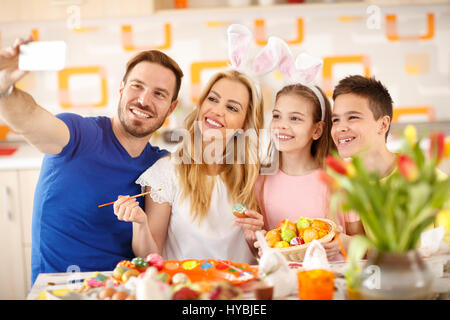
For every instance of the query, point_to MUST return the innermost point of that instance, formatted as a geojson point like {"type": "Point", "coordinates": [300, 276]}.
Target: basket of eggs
{"type": "Point", "coordinates": [292, 239]}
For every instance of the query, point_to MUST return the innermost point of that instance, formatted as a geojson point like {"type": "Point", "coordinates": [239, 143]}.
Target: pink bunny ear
{"type": "Point", "coordinates": [308, 67]}
{"type": "Point", "coordinates": [267, 59]}
{"type": "Point", "coordinates": [286, 64]}
{"type": "Point", "coordinates": [239, 40]}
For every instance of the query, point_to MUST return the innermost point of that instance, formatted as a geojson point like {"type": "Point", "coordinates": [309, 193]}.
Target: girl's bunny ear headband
{"type": "Point", "coordinates": [240, 39]}
{"type": "Point", "coordinates": [276, 54]}
{"type": "Point", "coordinates": [303, 70]}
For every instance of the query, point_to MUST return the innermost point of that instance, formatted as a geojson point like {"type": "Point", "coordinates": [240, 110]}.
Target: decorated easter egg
{"type": "Point", "coordinates": [180, 278]}
{"type": "Point", "coordinates": [119, 295]}
{"type": "Point", "coordinates": [303, 223]}
{"type": "Point", "coordinates": [286, 224]}
{"type": "Point", "coordinates": [281, 244]}
{"type": "Point", "coordinates": [296, 241]}
{"type": "Point", "coordinates": [320, 224]}
{"type": "Point", "coordinates": [118, 272]}
{"type": "Point", "coordinates": [140, 262]}
{"type": "Point", "coordinates": [163, 276]}
{"type": "Point", "coordinates": [272, 237]}
{"type": "Point", "coordinates": [310, 234]}
{"type": "Point", "coordinates": [287, 235]}
{"type": "Point", "coordinates": [239, 210]}
{"type": "Point", "coordinates": [106, 293]}
{"type": "Point", "coordinates": [155, 260]}
{"type": "Point", "coordinates": [128, 274]}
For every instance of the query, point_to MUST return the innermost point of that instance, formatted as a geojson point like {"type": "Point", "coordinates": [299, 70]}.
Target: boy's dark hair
{"type": "Point", "coordinates": [160, 58]}
{"type": "Point", "coordinates": [380, 101]}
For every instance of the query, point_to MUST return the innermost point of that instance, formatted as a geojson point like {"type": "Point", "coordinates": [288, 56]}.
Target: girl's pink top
{"type": "Point", "coordinates": [291, 197]}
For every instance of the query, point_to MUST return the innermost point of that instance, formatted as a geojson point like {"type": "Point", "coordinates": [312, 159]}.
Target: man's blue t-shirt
{"type": "Point", "coordinates": [68, 228]}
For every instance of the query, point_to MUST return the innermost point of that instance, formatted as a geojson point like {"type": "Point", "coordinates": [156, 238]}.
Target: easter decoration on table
{"type": "Point", "coordinates": [274, 269]}
{"type": "Point", "coordinates": [152, 278]}
{"type": "Point", "coordinates": [209, 270]}
{"type": "Point", "coordinates": [292, 239]}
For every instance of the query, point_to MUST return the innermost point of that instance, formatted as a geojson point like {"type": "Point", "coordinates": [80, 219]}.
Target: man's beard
{"type": "Point", "coordinates": [135, 129]}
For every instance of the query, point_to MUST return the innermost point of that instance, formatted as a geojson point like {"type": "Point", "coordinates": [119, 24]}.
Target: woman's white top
{"type": "Point", "coordinates": [215, 237]}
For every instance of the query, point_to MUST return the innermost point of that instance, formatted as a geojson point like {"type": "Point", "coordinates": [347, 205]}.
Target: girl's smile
{"type": "Point", "coordinates": [292, 123]}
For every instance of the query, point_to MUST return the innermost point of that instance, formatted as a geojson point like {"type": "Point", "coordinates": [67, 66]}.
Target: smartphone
{"type": "Point", "coordinates": [43, 56]}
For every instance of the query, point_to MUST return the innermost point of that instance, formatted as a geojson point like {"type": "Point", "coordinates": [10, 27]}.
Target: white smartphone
{"type": "Point", "coordinates": [43, 56]}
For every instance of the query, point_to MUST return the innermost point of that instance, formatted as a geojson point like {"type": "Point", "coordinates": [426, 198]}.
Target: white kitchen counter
{"type": "Point", "coordinates": [26, 157]}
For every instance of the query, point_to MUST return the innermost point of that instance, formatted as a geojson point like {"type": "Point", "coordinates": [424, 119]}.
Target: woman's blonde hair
{"type": "Point", "coordinates": [239, 177]}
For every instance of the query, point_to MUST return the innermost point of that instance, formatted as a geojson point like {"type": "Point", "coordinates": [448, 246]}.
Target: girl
{"type": "Point", "coordinates": [189, 211]}
{"type": "Point", "coordinates": [300, 135]}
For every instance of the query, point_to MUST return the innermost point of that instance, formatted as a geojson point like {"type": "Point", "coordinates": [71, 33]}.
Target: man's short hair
{"type": "Point", "coordinates": [160, 58]}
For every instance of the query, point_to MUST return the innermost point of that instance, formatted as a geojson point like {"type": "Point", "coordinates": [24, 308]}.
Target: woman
{"type": "Point", "coordinates": [189, 211]}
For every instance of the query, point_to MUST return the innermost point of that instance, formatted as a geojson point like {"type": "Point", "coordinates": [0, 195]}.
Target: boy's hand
{"type": "Point", "coordinates": [128, 209]}
{"type": "Point", "coordinates": [252, 222]}
{"type": "Point", "coordinates": [333, 249]}
{"type": "Point", "coordinates": [9, 66]}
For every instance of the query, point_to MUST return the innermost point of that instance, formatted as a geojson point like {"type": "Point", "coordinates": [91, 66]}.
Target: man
{"type": "Point", "coordinates": [89, 161]}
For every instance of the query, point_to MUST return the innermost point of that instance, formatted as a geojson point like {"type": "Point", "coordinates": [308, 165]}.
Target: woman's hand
{"type": "Point", "coordinates": [252, 222]}
{"type": "Point", "coordinates": [128, 209]}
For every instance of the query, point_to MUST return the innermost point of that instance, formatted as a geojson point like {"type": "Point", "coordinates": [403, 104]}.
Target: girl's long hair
{"type": "Point", "coordinates": [239, 176]}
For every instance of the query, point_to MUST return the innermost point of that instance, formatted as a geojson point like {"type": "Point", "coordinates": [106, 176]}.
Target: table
{"type": "Point", "coordinates": [55, 281]}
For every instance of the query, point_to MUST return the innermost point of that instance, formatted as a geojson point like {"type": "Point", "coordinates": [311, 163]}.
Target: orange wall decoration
{"type": "Point", "coordinates": [392, 34]}
{"type": "Point", "coordinates": [128, 42]}
{"type": "Point", "coordinates": [427, 111]}
{"type": "Point", "coordinates": [330, 62]}
{"type": "Point", "coordinates": [196, 70]}
{"type": "Point", "coordinates": [261, 35]}
{"type": "Point", "coordinates": [346, 19]}
{"type": "Point", "coordinates": [63, 84]}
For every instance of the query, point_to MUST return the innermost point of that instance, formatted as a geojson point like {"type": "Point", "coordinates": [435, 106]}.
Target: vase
{"type": "Point", "coordinates": [395, 276]}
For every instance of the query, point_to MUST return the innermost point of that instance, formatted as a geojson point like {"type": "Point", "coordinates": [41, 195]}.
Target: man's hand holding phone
{"type": "Point", "coordinates": [28, 55]}
{"type": "Point", "coordinates": [9, 66]}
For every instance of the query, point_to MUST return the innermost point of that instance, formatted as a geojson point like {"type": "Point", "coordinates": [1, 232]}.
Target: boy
{"type": "Point", "coordinates": [361, 120]}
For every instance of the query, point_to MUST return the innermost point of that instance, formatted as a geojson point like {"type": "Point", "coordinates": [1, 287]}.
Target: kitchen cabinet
{"type": "Point", "coordinates": [16, 202]}
{"type": "Point", "coordinates": [27, 183]}
{"type": "Point", "coordinates": [51, 10]}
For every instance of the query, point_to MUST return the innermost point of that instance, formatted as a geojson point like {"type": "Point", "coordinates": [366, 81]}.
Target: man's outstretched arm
{"type": "Point", "coordinates": [21, 113]}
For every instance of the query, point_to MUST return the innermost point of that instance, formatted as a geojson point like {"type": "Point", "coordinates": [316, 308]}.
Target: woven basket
{"type": "Point", "coordinates": [297, 253]}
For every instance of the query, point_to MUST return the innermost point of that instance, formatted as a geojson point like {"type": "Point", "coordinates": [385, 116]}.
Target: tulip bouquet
{"type": "Point", "coordinates": [394, 210]}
